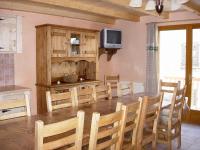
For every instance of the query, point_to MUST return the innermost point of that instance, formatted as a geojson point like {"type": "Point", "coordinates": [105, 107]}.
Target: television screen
{"type": "Point", "coordinates": [113, 37]}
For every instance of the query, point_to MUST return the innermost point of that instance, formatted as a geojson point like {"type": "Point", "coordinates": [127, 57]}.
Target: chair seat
{"type": "Point", "coordinates": [165, 112]}
{"type": "Point", "coordinates": [163, 122]}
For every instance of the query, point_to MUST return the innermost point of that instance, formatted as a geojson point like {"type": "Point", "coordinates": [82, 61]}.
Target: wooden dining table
{"type": "Point", "coordinates": [18, 133]}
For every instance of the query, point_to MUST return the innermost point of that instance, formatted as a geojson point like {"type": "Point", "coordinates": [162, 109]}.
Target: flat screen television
{"type": "Point", "coordinates": [111, 39]}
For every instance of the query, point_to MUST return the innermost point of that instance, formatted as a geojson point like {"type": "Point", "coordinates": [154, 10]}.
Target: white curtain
{"type": "Point", "coordinates": [151, 87]}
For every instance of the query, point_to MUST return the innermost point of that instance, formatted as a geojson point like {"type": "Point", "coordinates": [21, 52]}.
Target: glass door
{"type": "Point", "coordinates": [195, 76]}
{"type": "Point", "coordinates": [195, 99]}
{"type": "Point", "coordinates": [172, 55]}
{"type": "Point", "coordinates": [75, 41]}
{"type": "Point", "coordinates": [180, 61]}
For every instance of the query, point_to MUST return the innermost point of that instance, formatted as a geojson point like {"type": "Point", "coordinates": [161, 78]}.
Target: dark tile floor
{"type": "Point", "coordinates": [190, 138]}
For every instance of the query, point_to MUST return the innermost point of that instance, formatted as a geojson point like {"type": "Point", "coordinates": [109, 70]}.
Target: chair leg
{"type": "Point", "coordinates": [179, 141]}
{"type": "Point", "coordinates": [139, 146]}
{"type": "Point", "coordinates": [154, 145]}
{"type": "Point", "coordinates": [179, 138]}
{"type": "Point", "coordinates": [169, 145]}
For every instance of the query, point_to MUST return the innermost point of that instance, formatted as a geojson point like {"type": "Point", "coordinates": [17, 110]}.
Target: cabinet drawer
{"type": "Point", "coordinates": [13, 96]}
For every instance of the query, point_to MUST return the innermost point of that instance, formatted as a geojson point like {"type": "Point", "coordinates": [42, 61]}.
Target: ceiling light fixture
{"type": "Point", "coordinates": [175, 4]}
{"type": "Point", "coordinates": [150, 5]}
{"type": "Point", "coordinates": [159, 6]}
{"type": "Point", "coordinates": [183, 1]}
{"type": "Point", "coordinates": [135, 3]}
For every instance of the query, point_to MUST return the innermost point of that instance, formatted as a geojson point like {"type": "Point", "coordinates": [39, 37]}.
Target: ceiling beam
{"type": "Point", "coordinates": [193, 7]}
{"type": "Point", "coordinates": [125, 3]}
{"type": "Point", "coordinates": [90, 8]}
{"type": "Point", "coordinates": [42, 9]}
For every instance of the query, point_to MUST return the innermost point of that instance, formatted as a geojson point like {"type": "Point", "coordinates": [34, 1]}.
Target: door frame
{"type": "Point", "coordinates": [192, 116]}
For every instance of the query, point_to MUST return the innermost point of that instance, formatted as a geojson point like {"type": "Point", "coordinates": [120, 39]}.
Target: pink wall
{"type": "Point", "coordinates": [129, 62]}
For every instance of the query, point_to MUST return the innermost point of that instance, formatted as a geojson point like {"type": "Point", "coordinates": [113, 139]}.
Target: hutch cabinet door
{"type": "Point", "coordinates": [75, 43]}
{"type": "Point", "coordinates": [10, 34]}
{"type": "Point", "coordinates": [89, 46]}
{"type": "Point", "coordinates": [59, 42]}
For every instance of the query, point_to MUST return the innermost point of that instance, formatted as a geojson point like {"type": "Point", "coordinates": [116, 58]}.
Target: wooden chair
{"type": "Point", "coordinates": [150, 111]}
{"type": "Point", "coordinates": [169, 86]}
{"type": "Point", "coordinates": [106, 131]}
{"type": "Point", "coordinates": [71, 140]}
{"type": "Point", "coordinates": [22, 105]}
{"type": "Point", "coordinates": [168, 89]}
{"type": "Point", "coordinates": [169, 126]}
{"type": "Point", "coordinates": [84, 95]}
{"type": "Point", "coordinates": [103, 92]}
{"type": "Point", "coordinates": [112, 79]}
{"type": "Point", "coordinates": [124, 88]}
{"type": "Point", "coordinates": [60, 100]}
{"type": "Point", "coordinates": [131, 124]}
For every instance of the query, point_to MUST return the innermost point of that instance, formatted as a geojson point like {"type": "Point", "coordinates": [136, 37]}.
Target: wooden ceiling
{"type": "Point", "coordinates": [193, 6]}
{"type": "Point", "coordinates": [105, 11]}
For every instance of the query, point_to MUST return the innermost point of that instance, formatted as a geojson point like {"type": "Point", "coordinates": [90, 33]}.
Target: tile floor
{"type": "Point", "coordinates": [190, 138]}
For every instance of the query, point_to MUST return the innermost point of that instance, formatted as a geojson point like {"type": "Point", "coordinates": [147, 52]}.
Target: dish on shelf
{"type": "Point", "coordinates": [70, 78]}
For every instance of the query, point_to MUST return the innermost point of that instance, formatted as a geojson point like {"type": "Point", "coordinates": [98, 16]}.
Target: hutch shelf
{"type": "Point", "coordinates": [62, 51]}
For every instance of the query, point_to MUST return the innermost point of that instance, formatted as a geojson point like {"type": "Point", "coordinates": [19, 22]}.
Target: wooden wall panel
{"type": "Point", "coordinates": [43, 62]}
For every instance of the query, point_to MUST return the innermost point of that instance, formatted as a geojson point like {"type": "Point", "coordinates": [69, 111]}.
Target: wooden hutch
{"type": "Point", "coordinates": [61, 51]}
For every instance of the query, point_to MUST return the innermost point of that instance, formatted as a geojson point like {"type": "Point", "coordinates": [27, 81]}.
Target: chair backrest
{"type": "Point", "coordinates": [168, 87]}
{"type": "Point", "coordinates": [103, 92]}
{"type": "Point", "coordinates": [124, 88]}
{"type": "Point", "coordinates": [22, 105]}
{"type": "Point", "coordinates": [176, 108]}
{"type": "Point", "coordinates": [131, 123]}
{"type": "Point", "coordinates": [106, 130]}
{"type": "Point", "coordinates": [59, 100]}
{"type": "Point", "coordinates": [112, 79]}
{"type": "Point", "coordinates": [149, 119]}
{"type": "Point", "coordinates": [84, 95]}
{"type": "Point", "coordinates": [72, 139]}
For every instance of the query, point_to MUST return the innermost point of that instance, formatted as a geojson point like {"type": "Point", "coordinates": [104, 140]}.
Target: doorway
{"type": "Point", "coordinates": [180, 61]}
